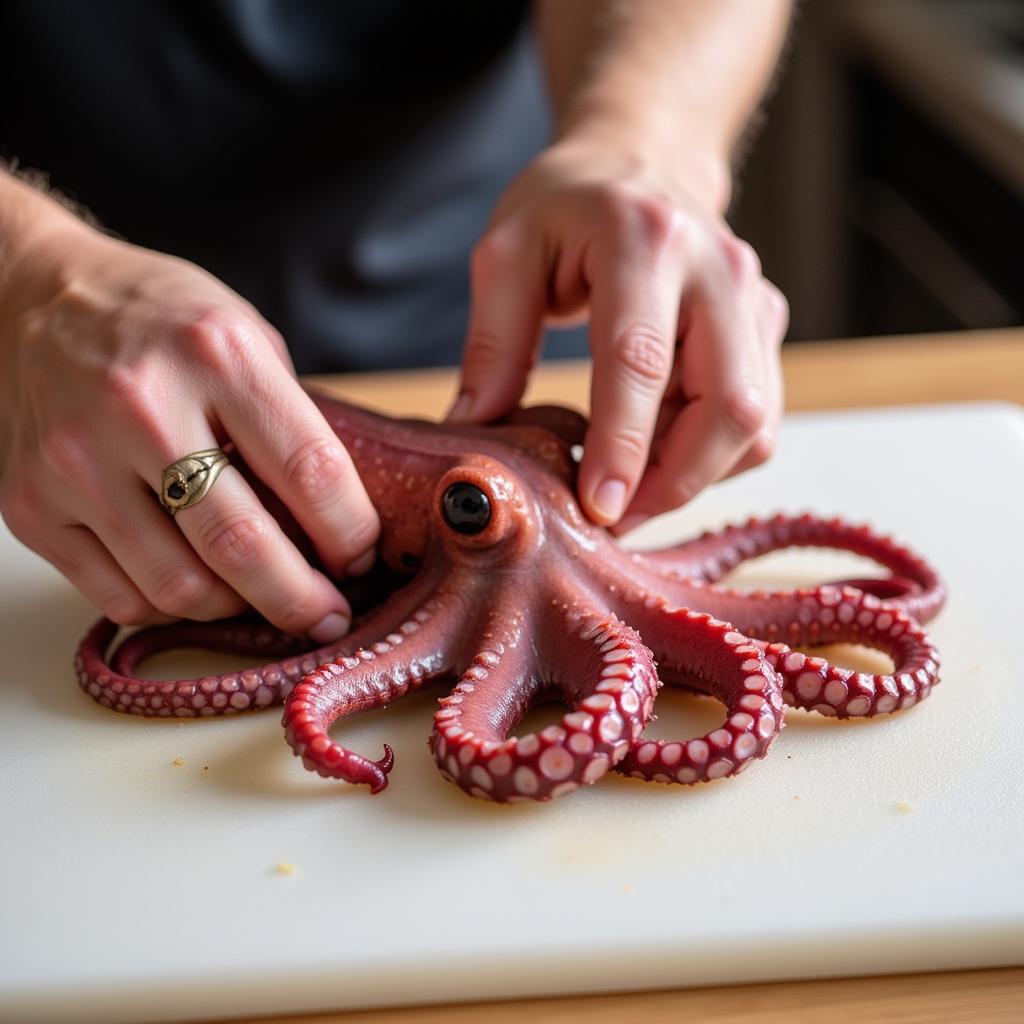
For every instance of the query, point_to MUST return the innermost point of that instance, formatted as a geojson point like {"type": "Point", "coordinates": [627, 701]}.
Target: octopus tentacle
{"type": "Point", "coordinates": [112, 681]}
{"type": "Point", "coordinates": [231, 636]}
{"type": "Point", "coordinates": [726, 664]}
{"type": "Point", "coordinates": [820, 616]}
{"type": "Point", "coordinates": [914, 587]}
{"type": "Point", "coordinates": [416, 652]}
{"type": "Point", "coordinates": [830, 615]}
{"type": "Point", "coordinates": [602, 671]}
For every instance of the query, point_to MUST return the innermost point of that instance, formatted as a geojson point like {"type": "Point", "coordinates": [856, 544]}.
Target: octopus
{"type": "Point", "coordinates": [490, 577]}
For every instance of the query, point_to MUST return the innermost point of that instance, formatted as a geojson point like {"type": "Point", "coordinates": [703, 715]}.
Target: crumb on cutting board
{"type": "Point", "coordinates": [903, 807]}
{"type": "Point", "coordinates": [178, 762]}
{"type": "Point", "coordinates": [282, 867]}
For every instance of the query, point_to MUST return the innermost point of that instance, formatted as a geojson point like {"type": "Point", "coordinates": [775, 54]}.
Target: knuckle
{"type": "Point", "coordinates": [32, 327]}
{"type": "Point", "coordinates": [762, 449]}
{"type": "Point", "coordinates": [643, 354]}
{"type": "Point", "coordinates": [179, 591]}
{"type": "Point", "coordinates": [742, 414]}
{"type": "Point", "coordinates": [615, 198]}
{"type": "Point", "coordinates": [483, 346]}
{"type": "Point", "coordinates": [743, 262]}
{"type": "Point", "coordinates": [629, 441]}
{"type": "Point", "coordinates": [219, 339]}
{"type": "Point", "coordinates": [361, 536]}
{"type": "Point", "coordinates": [123, 383]}
{"type": "Point", "coordinates": [61, 452]}
{"type": "Point", "coordinates": [236, 541]}
{"type": "Point", "coordinates": [495, 250]}
{"type": "Point", "coordinates": [66, 558]}
{"type": "Point", "coordinates": [661, 221]}
{"type": "Point", "coordinates": [317, 471]}
{"type": "Point", "coordinates": [778, 306]}
{"type": "Point", "coordinates": [634, 209]}
{"type": "Point", "coordinates": [20, 509]}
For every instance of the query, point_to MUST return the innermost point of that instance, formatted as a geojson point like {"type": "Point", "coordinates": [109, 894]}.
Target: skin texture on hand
{"type": "Point", "coordinates": [684, 330]}
{"type": "Point", "coordinates": [114, 362]}
{"type": "Point", "coordinates": [620, 223]}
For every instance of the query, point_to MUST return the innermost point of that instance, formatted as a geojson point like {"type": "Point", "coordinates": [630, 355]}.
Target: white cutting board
{"type": "Point", "coordinates": [136, 890]}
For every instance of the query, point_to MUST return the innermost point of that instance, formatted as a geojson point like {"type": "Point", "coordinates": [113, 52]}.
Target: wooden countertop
{"type": "Point", "coordinates": [969, 366]}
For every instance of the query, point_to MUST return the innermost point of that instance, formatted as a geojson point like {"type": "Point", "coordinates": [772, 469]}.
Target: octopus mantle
{"type": "Point", "coordinates": [488, 574]}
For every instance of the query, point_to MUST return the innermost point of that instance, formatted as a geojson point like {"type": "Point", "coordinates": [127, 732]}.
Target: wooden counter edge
{"type": "Point", "coordinates": [968, 366]}
{"type": "Point", "coordinates": [991, 996]}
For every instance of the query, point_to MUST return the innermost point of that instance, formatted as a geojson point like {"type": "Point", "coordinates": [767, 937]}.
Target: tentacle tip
{"type": "Point", "coordinates": [387, 762]}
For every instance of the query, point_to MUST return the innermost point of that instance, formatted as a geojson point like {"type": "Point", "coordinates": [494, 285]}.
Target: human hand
{"type": "Point", "coordinates": [684, 330]}
{"type": "Point", "coordinates": [114, 362]}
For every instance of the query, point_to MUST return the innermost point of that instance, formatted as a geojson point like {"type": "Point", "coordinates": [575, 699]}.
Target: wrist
{"type": "Point", "coordinates": [682, 153]}
{"type": "Point", "coordinates": [35, 235]}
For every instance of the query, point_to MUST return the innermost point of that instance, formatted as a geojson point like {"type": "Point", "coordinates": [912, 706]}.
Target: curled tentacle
{"type": "Point", "coordinates": [230, 636]}
{"type": "Point", "coordinates": [419, 649]}
{"type": "Point", "coordinates": [598, 667]}
{"type": "Point", "coordinates": [914, 587]}
{"type": "Point", "coordinates": [713, 656]}
{"type": "Point", "coordinates": [112, 682]}
{"type": "Point", "coordinates": [830, 615]}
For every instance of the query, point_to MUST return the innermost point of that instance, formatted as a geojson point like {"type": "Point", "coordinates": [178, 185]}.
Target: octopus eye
{"type": "Point", "coordinates": [466, 508]}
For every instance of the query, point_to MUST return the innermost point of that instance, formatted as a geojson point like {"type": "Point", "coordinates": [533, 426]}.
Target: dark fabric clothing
{"type": "Point", "coordinates": [334, 162]}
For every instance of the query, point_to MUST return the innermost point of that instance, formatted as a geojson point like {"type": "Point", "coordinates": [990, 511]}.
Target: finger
{"type": "Point", "coordinates": [244, 545]}
{"type": "Point", "coordinates": [150, 551]}
{"type": "Point", "coordinates": [773, 319]}
{"type": "Point", "coordinates": [508, 287]}
{"type": "Point", "coordinates": [723, 351]}
{"type": "Point", "coordinates": [80, 556]}
{"type": "Point", "coordinates": [636, 288]}
{"type": "Point", "coordinates": [287, 442]}
{"type": "Point", "coordinates": [75, 552]}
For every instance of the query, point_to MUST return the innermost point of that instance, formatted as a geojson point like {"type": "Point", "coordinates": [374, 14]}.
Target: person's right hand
{"type": "Point", "coordinates": [116, 361]}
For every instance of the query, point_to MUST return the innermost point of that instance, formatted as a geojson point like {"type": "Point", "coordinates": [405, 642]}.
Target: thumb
{"type": "Point", "coordinates": [507, 302]}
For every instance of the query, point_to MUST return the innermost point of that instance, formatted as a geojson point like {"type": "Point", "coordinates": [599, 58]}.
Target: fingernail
{"type": "Point", "coordinates": [460, 411]}
{"type": "Point", "coordinates": [609, 499]}
{"type": "Point", "coordinates": [331, 627]}
{"type": "Point", "coordinates": [362, 564]}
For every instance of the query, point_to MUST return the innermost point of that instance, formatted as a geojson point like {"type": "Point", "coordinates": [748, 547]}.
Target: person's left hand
{"type": "Point", "coordinates": [684, 329]}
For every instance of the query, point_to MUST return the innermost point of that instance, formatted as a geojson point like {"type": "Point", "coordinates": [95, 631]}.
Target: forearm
{"type": "Point", "coordinates": [670, 81]}
{"type": "Point", "coordinates": [28, 216]}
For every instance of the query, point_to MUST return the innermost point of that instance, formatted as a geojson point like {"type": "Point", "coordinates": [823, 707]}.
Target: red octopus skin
{"type": "Point", "coordinates": [537, 605]}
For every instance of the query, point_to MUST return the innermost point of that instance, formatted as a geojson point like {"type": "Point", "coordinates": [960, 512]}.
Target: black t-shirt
{"type": "Point", "coordinates": [334, 162]}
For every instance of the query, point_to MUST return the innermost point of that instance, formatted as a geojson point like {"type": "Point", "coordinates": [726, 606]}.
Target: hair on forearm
{"type": "Point", "coordinates": [759, 118]}
{"type": "Point", "coordinates": [40, 181]}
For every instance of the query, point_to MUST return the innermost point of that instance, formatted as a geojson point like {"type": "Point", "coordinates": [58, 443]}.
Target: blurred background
{"type": "Point", "coordinates": [883, 185]}
{"type": "Point", "coordinates": [884, 189]}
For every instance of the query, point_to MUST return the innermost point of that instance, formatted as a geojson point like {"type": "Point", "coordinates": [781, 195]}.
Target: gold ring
{"type": "Point", "coordinates": [187, 481]}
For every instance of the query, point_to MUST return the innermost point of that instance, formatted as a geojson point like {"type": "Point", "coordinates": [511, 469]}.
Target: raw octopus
{"type": "Point", "coordinates": [489, 575]}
